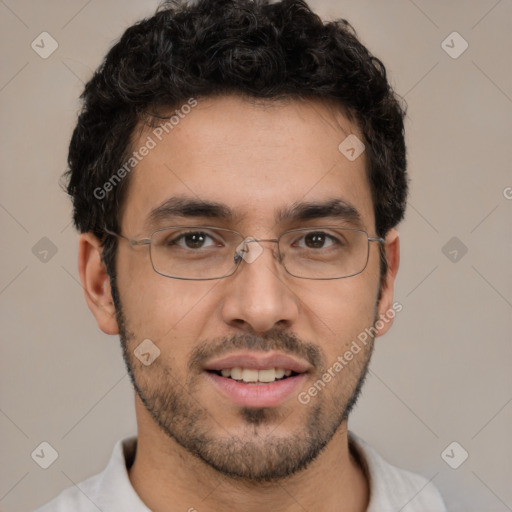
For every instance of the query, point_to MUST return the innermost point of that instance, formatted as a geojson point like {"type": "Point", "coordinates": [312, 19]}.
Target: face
{"type": "Point", "coordinates": [271, 168]}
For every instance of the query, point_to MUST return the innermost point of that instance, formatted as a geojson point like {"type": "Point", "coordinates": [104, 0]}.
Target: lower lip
{"type": "Point", "coordinates": [258, 395]}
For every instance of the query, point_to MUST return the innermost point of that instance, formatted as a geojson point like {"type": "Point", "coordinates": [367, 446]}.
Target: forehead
{"type": "Point", "coordinates": [257, 158]}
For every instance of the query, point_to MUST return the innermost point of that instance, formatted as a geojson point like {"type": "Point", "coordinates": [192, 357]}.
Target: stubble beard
{"type": "Point", "coordinates": [257, 454]}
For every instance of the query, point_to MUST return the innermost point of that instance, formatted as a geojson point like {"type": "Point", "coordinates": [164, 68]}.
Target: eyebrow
{"type": "Point", "coordinates": [183, 207]}
{"type": "Point", "coordinates": [188, 207]}
{"type": "Point", "coordinates": [335, 208]}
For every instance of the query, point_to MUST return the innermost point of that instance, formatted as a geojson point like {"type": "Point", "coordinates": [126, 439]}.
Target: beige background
{"type": "Point", "coordinates": [443, 372]}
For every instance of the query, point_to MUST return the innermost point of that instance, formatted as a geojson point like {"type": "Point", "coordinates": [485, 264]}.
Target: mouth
{"type": "Point", "coordinates": [256, 380]}
{"type": "Point", "coordinates": [252, 376]}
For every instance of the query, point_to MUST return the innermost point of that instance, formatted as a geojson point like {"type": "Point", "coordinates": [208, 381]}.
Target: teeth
{"type": "Point", "coordinates": [236, 373]}
{"type": "Point", "coordinates": [251, 375]}
{"type": "Point", "coordinates": [267, 375]}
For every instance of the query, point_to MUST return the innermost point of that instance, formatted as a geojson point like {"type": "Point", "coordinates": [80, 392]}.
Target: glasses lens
{"type": "Point", "coordinates": [194, 252]}
{"type": "Point", "coordinates": [324, 253]}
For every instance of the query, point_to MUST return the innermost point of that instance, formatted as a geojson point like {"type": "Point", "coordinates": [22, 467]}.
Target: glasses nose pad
{"type": "Point", "coordinates": [239, 252]}
{"type": "Point", "coordinates": [238, 258]}
{"type": "Point", "coordinates": [249, 253]}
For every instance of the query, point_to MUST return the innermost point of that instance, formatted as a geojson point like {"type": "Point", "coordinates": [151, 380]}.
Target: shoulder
{"type": "Point", "coordinates": [393, 488]}
{"type": "Point", "coordinates": [109, 490]}
{"type": "Point", "coordinates": [75, 498]}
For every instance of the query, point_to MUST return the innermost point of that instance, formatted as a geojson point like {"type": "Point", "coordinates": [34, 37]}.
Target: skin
{"type": "Point", "coordinates": [255, 158]}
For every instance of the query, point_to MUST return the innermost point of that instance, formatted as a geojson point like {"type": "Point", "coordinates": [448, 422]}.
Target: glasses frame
{"type": "Point", "coordinates": [147, 241]}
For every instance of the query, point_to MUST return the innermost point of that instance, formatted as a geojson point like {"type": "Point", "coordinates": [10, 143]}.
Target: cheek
{"type": "Point", "coordinates": [341, 311]}
{"type": "Point", "coordinates": [160, 308]}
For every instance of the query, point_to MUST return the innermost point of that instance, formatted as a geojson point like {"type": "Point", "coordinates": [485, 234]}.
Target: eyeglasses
{"type": "Point", "coordinates": [200, 253]}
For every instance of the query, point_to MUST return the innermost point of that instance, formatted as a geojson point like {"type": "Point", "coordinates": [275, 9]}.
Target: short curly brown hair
{"type": "Point", "coordinates": [255, 48]}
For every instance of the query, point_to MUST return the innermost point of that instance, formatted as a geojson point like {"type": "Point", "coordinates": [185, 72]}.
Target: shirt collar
{"type": "Point", "coordinates": [115, 488]}
{"type": "Point", "coordinates": [118, 495]}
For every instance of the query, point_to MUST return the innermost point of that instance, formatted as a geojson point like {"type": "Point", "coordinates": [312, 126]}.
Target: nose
{"type": "Point", "coordinates": [259, 296]}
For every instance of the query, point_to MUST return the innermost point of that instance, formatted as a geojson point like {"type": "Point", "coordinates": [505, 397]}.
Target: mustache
{"type": "Point", "coordinates": [275, 339]}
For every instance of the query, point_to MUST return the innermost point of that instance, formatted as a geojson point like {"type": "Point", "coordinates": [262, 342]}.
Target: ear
{"type": "Point", "coordinates": [96, 283]}
{"type": "Point", "coordinates": [386, 310]}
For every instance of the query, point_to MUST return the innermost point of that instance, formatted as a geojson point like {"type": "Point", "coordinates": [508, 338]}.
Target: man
{"type": "Point", "coordinates": [237, 174]}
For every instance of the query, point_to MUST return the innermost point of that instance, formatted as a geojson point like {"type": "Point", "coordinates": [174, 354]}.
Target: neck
{"type": "Point", "coordinates": [168, 478]}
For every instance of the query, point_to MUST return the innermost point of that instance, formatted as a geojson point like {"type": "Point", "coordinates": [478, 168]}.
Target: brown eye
{"type": "Point", "coordinates": [192, 240]}
{"type": "Point", "coordinates": [316, 240]}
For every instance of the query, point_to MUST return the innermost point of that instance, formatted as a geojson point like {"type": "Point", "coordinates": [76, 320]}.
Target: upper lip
{"type": "Point", "coordinates": [258, 361]}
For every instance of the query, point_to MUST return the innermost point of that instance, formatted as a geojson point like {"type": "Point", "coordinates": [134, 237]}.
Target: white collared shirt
{"type": "Point", "coordinates": [391, 489]}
